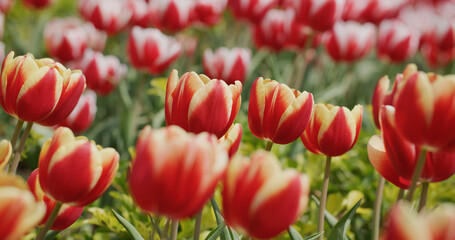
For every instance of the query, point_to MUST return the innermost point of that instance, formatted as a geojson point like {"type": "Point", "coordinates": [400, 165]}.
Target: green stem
{"type": "Point", "coordinates": [17, 154]}
{"type": "Point", "coordinates": [325, 186]}
{"type": "Point", "coordinates": [197, 225]}
{"type": "Point", "coordinates": [268, 146]}
{"type": "Point", "coordinates": [49, 222]}
{"type": "Point", "coordinates": [417, 172]}
{"type": "Point", "coordinates": [174, 229]}
{"type": "Point", "coordinates": [423, 196]}
{"type": "Point", "coordinates": [16, 133]}
{"type": "Point", "coordinates": [165, 229]}
{"type": "Point", "coordinates": [377, 208]}
{"type": "Point", "coordinates": [400, 194]}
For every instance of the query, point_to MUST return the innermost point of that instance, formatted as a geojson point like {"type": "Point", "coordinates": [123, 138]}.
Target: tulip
{"type": "Point", "coordinates": [278, 113]}
{"type": "Point", "coordinates": [149, 49]}
{"type": "Point", "coordinates": [39, 90]}
{"type": "Point", "coordinates": [231, 140]}
{"type": "Point", "coordinates": [141, 13]}
{"type": "Point", "coordinates": [320, 15]}
{"type": "Point", "coordinates": [103, 73]}
{"type": "Point", "coordinates": [2, 23]}
{"type": "Point", "coordinates": [226, 64]}
{"type": "Point", "coordinates": [67, 214]}
{"type": "Point", "coordinates": [65, 38]}
{"type": "Point", "coordinates": [96, 39]}
{"type": "Point", "coordinates": [5, 5]}
{"type": "Point", "coordinates": [65, 158]}
{"type": "Point", "coordinates": [189, 44]}
{"type": "Point", "coordinates": [178, 174]}
{"type": "Point", "coordinates": [251, 10]}
{"type": "Point", "coordinates": [382, 95]}
{"type": "Point", "coordinates": [111, 16]}
{"type": "Point", "coordinates": [83, 114]}
{"type": "Point", "coordinates": [171, 15]}
{"type": "Point", "coordinates": [5, 153]}
{"type": "Point", "coordinates": [259, 198]}
{"type": "Point", "coordinates": [441, 222]}
{"type": "Point", "coordinates": [197, 103]}
{"type": "Point", "coordinates": [397, 41]}
{"type": "Point", "coordinates": [350, 41]}
{"type": "Point", "coordinates": [209, 12]}
{"type": "Point", "coordinates": [19, 211]}
{"type": "Point", "coordinates": [38, 3]}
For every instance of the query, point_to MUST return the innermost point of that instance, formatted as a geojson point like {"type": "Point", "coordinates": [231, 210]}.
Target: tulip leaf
{"type": "Point", "coordinates": [340, 229]}
{"type": "Point", "coordinates": [331, 220]}
{"type": "Point", "coordinates": [215, 233]}
{"type": "Point", "coordinates": [314, 236]}
{"type": "Point", "coordinates": [294, 234]}
{"type": "Point", "coordinates": [51, 235]}
{"type": "Point", "coordinates": [128, 226]}
{"type": "Point", "coordinates": [219, 219]}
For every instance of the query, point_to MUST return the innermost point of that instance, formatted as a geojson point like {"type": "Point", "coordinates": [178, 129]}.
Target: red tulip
{"type": "Point", "coordinates": [379, 10]}
{"type": "Point", "coordinates": [103, 73]}
{"type": "Point", "coordinates": [141, 13]}
{"type": "Point", "coordinates": [278, 113]}
{"type": "Point", "coordinates": [209, 12]}
{"type": "Point", "coordinates": [96, 39]}
{"type": "Point", "coordinates": [259, 198]}
{"type": "Point", "coordinates": [171, 15]}
{"type": "Point", "coordinates": [149, 49]}
{"type": "Point", "coordinates": [397, 41]}
{"type": "Point", "coordinates": [39, 90]}
{"type": "Point", "coordinates": [5, 5]}
{"type": "Point", "coordinates": [111, 16]}
{"type": "Point", "coordinates": [5, 153]}
{"type": "Point", "coordinates": [320, 15]}
{"type": "Point", "coordinates": [332, 130]}
{"type": "Point", "coordinates": [179, 174]}
{"type": "Point", "coordinates": [251, 10]}
{"type": "Point", "coordinates": [65, 158]}
{"type": "Point", "coordinates": [19, 211]}
{"type": "Point", "coordinates": [83, 114]}
{"type": "Point", "coordinates": [226, 64]}
{"type": "Point", "coordinates": [382, 95]}
{"type": "Point", "coordinates": [38, 3]}
{"type": "Point", "coordinates": [199, 104]}
{"type": "Point", "coordinates": [231, 140]}
{"type": "Point", "coordinates": [67, 214]}
{"type": "Point", "coordinates": [350, 41]}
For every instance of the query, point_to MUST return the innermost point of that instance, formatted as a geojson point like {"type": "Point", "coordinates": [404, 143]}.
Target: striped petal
{"type": "Point", "coordinates": [5, 153]}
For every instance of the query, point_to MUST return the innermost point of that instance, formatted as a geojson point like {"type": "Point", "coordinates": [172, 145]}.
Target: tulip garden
{"type": "Point", "coordinates": [227, 119]}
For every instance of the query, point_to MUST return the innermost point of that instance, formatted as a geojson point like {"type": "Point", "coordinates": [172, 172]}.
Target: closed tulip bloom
{"type": "Point", "coordinates": [83, 114]}
{"type": "Point", "coordinates": [397, 41]}
{"type": "Point", "coordinates": [226, 64]}
{"type": "Point", "coordinates": [38, 3]}
{"type": "Point", "coordinates": [197, 103]}
{"type": "Point", "coordinates": [111, 16]}
{"type": "Point", "coordinates": [19, 211]}
{"type": "Point", "coordinates": [332, 130]}
{"type": "Point", "coordinates": [441, 222]}
{"type": "Point", "coordinates": [320, 15]}
{"type": "Point", "coordinates": [209, 12]}
{"type": "Point", "coordinates": [5, 153]}
{"type": "Point", "coordinates": [65, 158]}
{"type": "Point", "coordinates": [102, 73]}
{"type": "Point", "coordinates": [178, 174]}
{"type": "Point", "coordinates": [65, 38]}
{"type": "Point", "coordinates": [39, 90]}
{"type": "Point", "coordinates": [141, 13]}
{"type": "Point", "coordinates": [278, 113]}
{"type": "Point", "coordinates": [383, 96]}
{"type": "Point", "coordinates": [5, 5]}
{"type": "Point", "coordinates": [251, 10]}
{"type": "Point", "coordinates": [425, 109]}
{"type": "Point", "coordinates": [259, 198]}
{"type": "Point", "coordinates": [231, 140]}
{"type": "Point", "coordinates": [96, 39]}
{"type": "Point", "coordinates": [171, 15]}
{"type": "Point", "coordinates": [67, 214]}
{"type": "Point", "coordinates": [150, 50]}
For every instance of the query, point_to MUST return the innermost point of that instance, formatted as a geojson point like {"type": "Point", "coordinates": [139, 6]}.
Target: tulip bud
{"type": "Point", "coordinates": [231, 140]}
{"type": "Point", "coordinates": [67, 214]}
{"type": "Point", "coordinates": [178, 174]}
{"type": "Point", "coordinates": [111, 16]}
{"type": "Point", "coordinates": [251, 10]}
{"type": "Point", "coordinates": [65, 158]}
{"type": "Point", "coordinates": [320, 15]}
{"type": "Point", "coordinates": [141, 13]}
{"type": "Point", "coordinates": [277, 113]}
{"type": "Point", "coordinates": [397, 41]}
{"type": "Point", "coordinates": [382, 95]}
{"type": "Point", "coordinates": [83, 114]}
{"type": "Point", "coordinates": [171, 15]}
{"type": "Point", "coordinates": [197, 103]}
{"type": "Point", "coordinates": [5, 153]}
{"type": "Point", "coordinates": [259, 198]}
{"type": "Point", "coordinates": [226, 64]}
{"type": "Point", "coordinates": [332, 130]}
{"type": "Point", "coordinates": [19, 211]}
{"type": "Point", "coordinates": [38, 3]}
{"type": "Point", "coordinates": [149, 49]}
{"type": "Point", "coordinates": [39, 90]}
{"type": "Point", "coordinates": [209, 12]}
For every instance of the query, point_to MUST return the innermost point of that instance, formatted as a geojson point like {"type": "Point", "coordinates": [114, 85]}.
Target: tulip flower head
{"type": "Point", "coordinates": [5, 5]}
{"type": "Point", "coordinates": [278, 113]}
{"type": "Point", "coordinates": [320, 15]}
{"type": "Point", "coordinates": [111, 16]}
{"type": "Point", "coordinates": [83, 114]}
{"type": "Point", "coordinates": [5, 153]}
{"type": "Point", "coordinates": [178, 174]}
{"type": "Point", "coordinates": [259, 198]}
{"type": "Point", "coordinates": [39, 90]}
{"type": "Point", "coordinates": [231, 140]}
{"type": "Point", "coordinates": [397, 41]}
{"type": "Point", "coordinates": [226, 64]}
{"type": "Point", "coordinates": [197, 103]}
{"type": "Point", "coordinates": [38, 3]}
{"type": "Point", "coordinates": [65, 158]}
{"type": "Point", "coordinates": [251, 10]}
{"type": "Point", "coordinates": [209, 12]}
{"type": "Point", "coordinates": [141, 13]}
{"type": "Point", "coordinates": [382, 95]}
{"type": "Point", "coordinates": [171, 15]}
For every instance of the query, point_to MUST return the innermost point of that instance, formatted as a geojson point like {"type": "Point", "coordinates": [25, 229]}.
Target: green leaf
{"type": "Point", "coordinates": [51, 235]}
{"type": "Point", "coordinates": [128, 226]}
{"type": "Point", "coordinates": [215, 233]}
{"type": "Point", "coordinates": [314, 236]}
{"type": "Point", "coordinates": [340, 229]}
{"type": "Point", "coordinates": [225, 235]}
{"type": "Point", "coordinates": [294, 234]}
{"type": "Point", "coordinates": [331, 220]}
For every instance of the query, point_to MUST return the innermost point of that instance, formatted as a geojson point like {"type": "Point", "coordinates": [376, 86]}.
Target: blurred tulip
{"type": "Point", "coordinates": [425, 109]}
{"type": "Point", "coordinates": [397, 41]}
{"type": "Point", "coordinates": [179, 174]}
{"type": "Point", "coordinates": [379, 10]}
{"type": "Point", "coordinates": [39, 90]}
{"type": "Point", "coordinates": [231, 140]}
{"type": "Point", "coordinates": [259, 198]}
{"type": "Point", "coordinates": [65, 38]}
{"type": "Point", "coordinates": [278, 113]}
{"type": "Point", "coordinates": [197, 103]}
{"type": "Point", "coordinates": [103, 73]}
{"type": "Point", "coordinates": [226, 64]}
{"type": "Point", "coordinates": [2, 23]}
{"type": "Point", "coordinates": [96, 39]}
{"type": "Point", "coordinates": [19, 211]}
{"type": "Point", "coordinates": [149, 49]}
{"type": "Point", "coordinates": [442, 34]}
{"type": "Point", "coordinates": [5, 153]}
{"type": "Point", "coordinates": [382, 95]}
{"type": "Point", "coordinates": [320, 15]}
{"type": "Point", "coordinates": [350, 41]}
{"type": "Point", "coordinates": [171, 15]}
{"type": "Point", "coordinates": [38, 3]}
{"type": "Point", "coordinates": [209, 12]}
{"type": "Point", "coordinates": [65, 158]}
{"type": "Point", "coordinates": [189, 44]}
{"type": "Point", "coordinates": [83, 114]}
{"type": "Point", "coordinates": [141, 13]}
{"type": "Point", "coordinates": [441, 222]}
{"type": "Point", "coordinates": [67, 214]}
{"type": "Point", "coordinates": [5, 5]}
{"type": "Point", "coordinates": [251, 10]}
{"type": "Point", "coordinates": [332, 130]}
{"type": "Point", "coordinates": [435, 57]}
{"type": "Point", "coordinates": [111, 16]}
